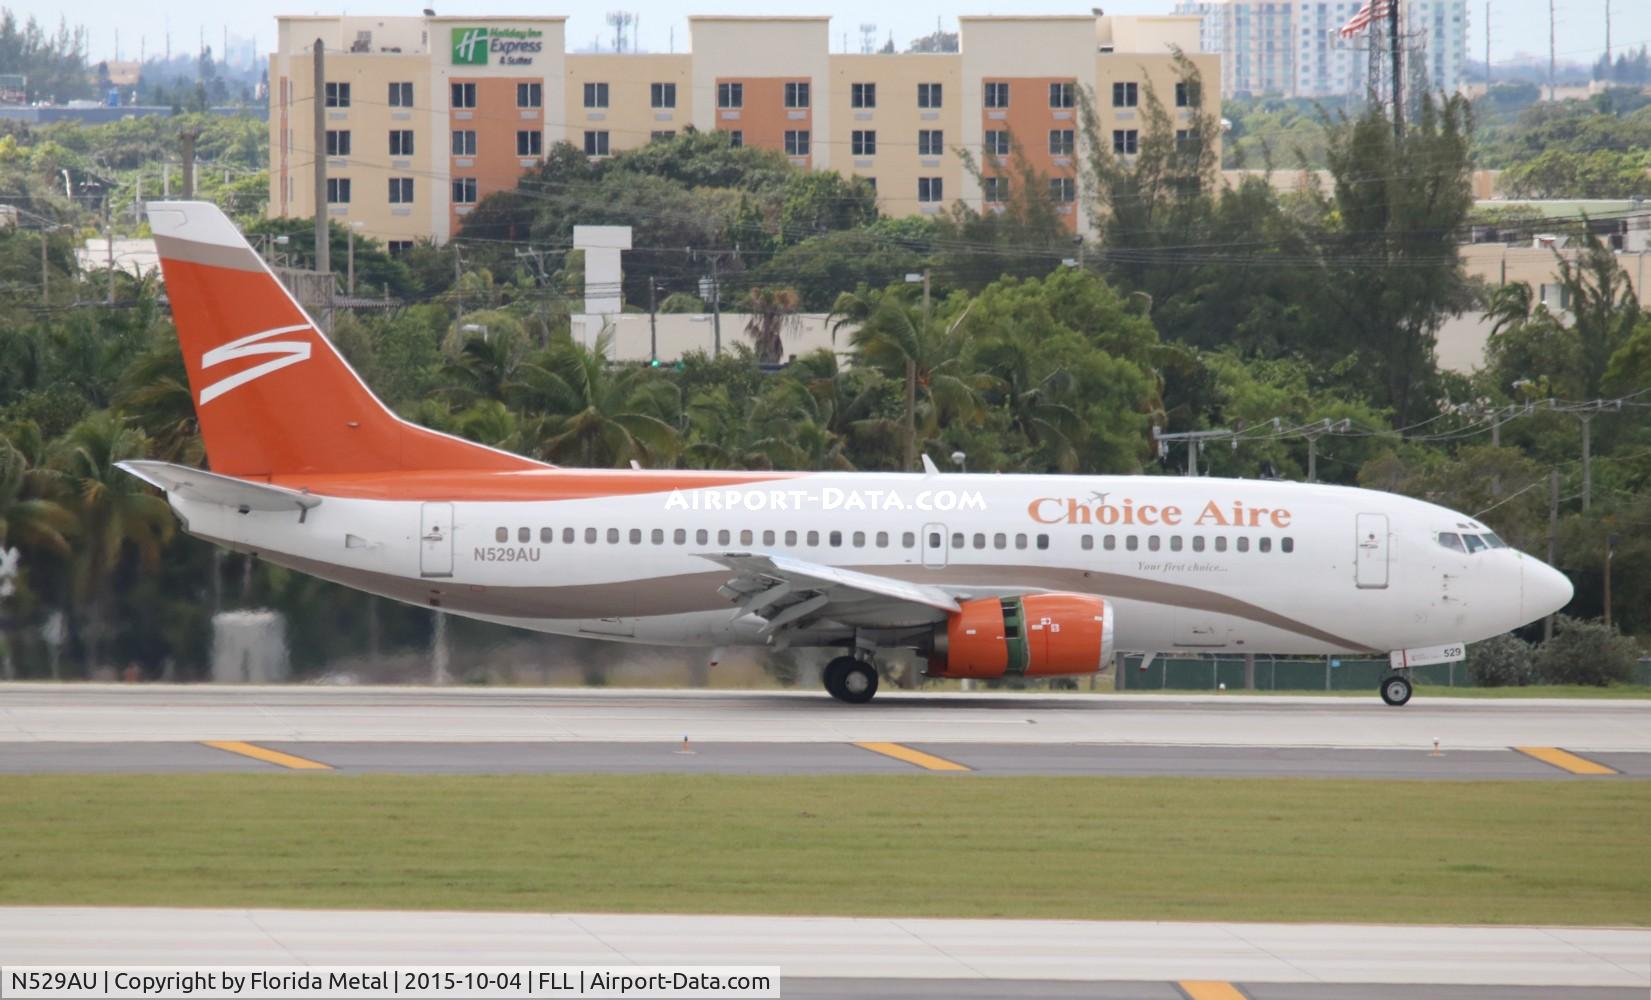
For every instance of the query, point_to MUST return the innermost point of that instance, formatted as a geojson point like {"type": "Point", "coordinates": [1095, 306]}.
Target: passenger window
{"type": "Point", "coordinates": [746, 536]}
{"type": "Point", "coordinates": [501, 534]}
{"type": "Point", "coordinates": [957, 539]}
{"type": "Point", "coordinates": [1043, 541]}
{"type": "Point", "coordinates": [613, 536]}
{"type": "Point", "coordinates": [1220, 543]}
{"type": "Point", "coordinates": [1152, 543]}
{"type": "Point", "coordinates": [524, 535]}
{"type": "Point", "coordinates": [636, 536]}
{"type": "Point", "coordinates": [1451, 540]}
{"type": "Point", "coordinates": [791, 539]}
{"type": "Point", "coordinates": [1198, 543]}
{"type": "Point", "coordinates": [568, 536]}
{"type": "Point", "coordinates": [813, 539]}
{"type": "Point", "coordinates": [1175, 543]}
{"type": "Point", "coordinates": [836, 538]}
{"type": "Point", "coordinates": [1266, 543]}
{"type": "Point", "coordinates": [908, 539]}
{"type": "Point", "coordinates": [657, 536]}
{"type": "Point", "coordinates": [882, 539]}
{"type": "Point", "coordinates": [1110, 543]}
{"type": "Point", "coordinates": [934, 540]}
{"type": "Point", "coordinates": [1475, 543]}
{"type": "Point", "coordinates": [547, 535]}
{"type": "Point", "coordinates": [859, 539]}
{"type": "Point", "coordinates": [1131, 542]}
{"type": "Point", "coordinates": [680, 536]}
{"type": "Point", "coordinates": [1020, 541]}
{"type": "Point", "coordinates": [1000, 541]}
{"type": "Point", "coordinates": [980, 540]}
{"type": "Point", "coordinates": [590, 536]}
{"type": "Point", "coordinates": [1287, 544]}
{"type": "Point", "coordinates": [702, 537]}
{"type": "Point", "coordinates": [1087, 543]}
{"type": "Point", "coordinates": [724, 536]}
{"type": "Point", "coordinates": [1243, 543]}
{"type": "Point", "coordinates": [768, 538]}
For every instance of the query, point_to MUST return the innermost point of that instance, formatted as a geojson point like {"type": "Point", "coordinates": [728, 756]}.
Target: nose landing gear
{"type": "Point", "coordinates": [850, 679]}
{"type": "Point", "coordinates": [1396, 689]}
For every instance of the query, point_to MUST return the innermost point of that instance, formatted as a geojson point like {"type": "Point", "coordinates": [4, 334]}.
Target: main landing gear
{"type": "Point", "coordinates": [850, 679]}
{"type": "Point", "coordinates": [1396, 689]}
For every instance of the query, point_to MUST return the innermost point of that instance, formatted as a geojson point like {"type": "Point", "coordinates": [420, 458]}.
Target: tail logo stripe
{"type": "Point", "coordinates": [290, 352]}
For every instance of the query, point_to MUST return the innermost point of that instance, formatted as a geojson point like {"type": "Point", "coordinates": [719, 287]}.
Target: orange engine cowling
{"type": "Point", "coordinates": [1033, 636]}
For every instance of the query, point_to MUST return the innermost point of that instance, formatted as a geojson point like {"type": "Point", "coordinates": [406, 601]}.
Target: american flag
{"type": "Point", "coordinates": [1371, 11]}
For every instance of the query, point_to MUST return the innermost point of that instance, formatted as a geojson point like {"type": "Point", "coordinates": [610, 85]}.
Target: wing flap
{"type": "Point", "coordinates": [790, 594]}
{"type": "Point", "coordinates": [225, 491]}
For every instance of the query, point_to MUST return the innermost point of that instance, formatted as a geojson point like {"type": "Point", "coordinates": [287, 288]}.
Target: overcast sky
{"type": "Point", "coordinates": [1516, 25]}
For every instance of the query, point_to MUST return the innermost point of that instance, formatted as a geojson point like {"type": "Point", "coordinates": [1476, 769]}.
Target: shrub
{"type": "Point", "coordinates": [1585, 651]}
{"type": "Point", "coordinates": [682, 302]}
{"type": "Point", "coordinates": [1501, 661]}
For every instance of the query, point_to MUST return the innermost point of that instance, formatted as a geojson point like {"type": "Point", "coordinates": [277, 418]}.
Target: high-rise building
{"type": "Point", "coordinates": [1295, 48]}
{"type": "Point", "coordinates": [425, 116]}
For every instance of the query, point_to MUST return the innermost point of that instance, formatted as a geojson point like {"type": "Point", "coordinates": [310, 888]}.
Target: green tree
{"type": "Point", "coordinates": [598, 415]}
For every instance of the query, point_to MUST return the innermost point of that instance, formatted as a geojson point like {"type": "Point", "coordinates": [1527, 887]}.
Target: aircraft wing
{"type": "Point", "coordinates": [791, 593]}
{"type": "Point", "coordinates": [225, 491]}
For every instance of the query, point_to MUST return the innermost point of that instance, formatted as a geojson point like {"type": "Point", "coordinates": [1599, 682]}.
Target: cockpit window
{"type": "Point", "coordinates": [1475, 543]}
{"type": "Point", "coordinates": [1451, 540]}
{"type": "Point", "coordinates": [1494, 542]}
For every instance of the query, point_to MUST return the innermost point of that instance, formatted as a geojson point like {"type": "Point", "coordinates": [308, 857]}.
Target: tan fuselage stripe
{"type": "Point", "coordinates": [1202, 989]}
{"type": "Point", "coordinates": [927, 761]}
{"type": "Point", "coordinates": [1566, 761]}
{"type": "Point", "coordinates": [267, 755]}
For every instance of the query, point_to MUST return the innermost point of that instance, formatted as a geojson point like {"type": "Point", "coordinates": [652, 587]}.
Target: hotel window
{"type": "Point", "coordinates": [401, 190]}
{"type": "Point", "coordinates": [596, 95]}
{"type": "Point", "coordinates": [596, 144]}
{"type": "Point", "coordinates": [464, 95]}
{"type": "Point", "coordinates": [338, 95]}
{"type": "Point", "coordinates": [928, 95]}
{"type": "Point", "coordinates": [1060, 95]}
{"type": "Point", "coordinates": [1125, 142]}
{"type": "Point", "coordinates": [1186, 94]}
{"type": "Point", "coordinates": [1126, 95]}
{"type": "Point", "coordinates": [796, 95]}
{"type": "Point", "coordinates": [871, 182]}
{"type": "Point", "coordinates": [928, 189]}
{"type": "Point", "coordinates": [532, 95]}
{"type": "Point", "coordinates": [736, 138]}
{"type": "Point", "coordinates": [796, 142]}
{"type": "Point", "coordinates": [994, 189]}
{"type": "Point", "coordinates": [930, 142]}
{"type": "Point", "coordinates": [730, 95]}
{"type": "Point", "coordinates": [338, 190]}
{"type": "Point", "coordinates": [398, 247]}
{"type": "Point", "coordinates": [401, 142]}
{"type": "Point", "coordinates": [464, 142]}
{"type": "Point", "coordinates": [997, 95]}
{"type": "Point", "coordinates": [464, 190]}
{"type": "Point", "coordinates": [401, 95]}
{"type": "Point", "coordinates": [863, 142]}
{"type": "Point", "coordinates": [1183, 138]}
{"type": "Point", "coordinates": [862, 95]}
{"type": "Point", "coordinates": [529, 143]}
{"type": "Point", "coordinates": [1060, 142]}
{"type": "Point", "coordinates": [1063, 189]}
{"type": "Point", "coordinates": [338, 143]}
{"type": "Point", "coordinates": [997, 142]}
{"type": "Point", "coordinates": [662, 136]}
{"type": "Point", "coordinates": [662, 95]}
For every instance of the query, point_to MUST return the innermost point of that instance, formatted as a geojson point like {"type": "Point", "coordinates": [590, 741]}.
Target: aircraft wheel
{"type": "Point", "coordinates": [1396, 689]}
{"type": "Point", "coordinates": [851, 680]}
{"type": "Point", "coordinates": [833, 676]}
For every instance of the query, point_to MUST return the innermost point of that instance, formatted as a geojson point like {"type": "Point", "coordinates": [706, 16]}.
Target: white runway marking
{"type": "Point", "coordinates": [841, 947]}
{"type": "Point", "coordinates": [33, 712]}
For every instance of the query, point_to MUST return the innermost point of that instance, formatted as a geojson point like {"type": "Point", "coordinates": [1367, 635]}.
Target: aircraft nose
{"type": "Point", "coordinates": [1544, 590]}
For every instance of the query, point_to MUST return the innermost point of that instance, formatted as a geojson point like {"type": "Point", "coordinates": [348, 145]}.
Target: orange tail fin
{"type": "Point", "coordinates": [272, 394]}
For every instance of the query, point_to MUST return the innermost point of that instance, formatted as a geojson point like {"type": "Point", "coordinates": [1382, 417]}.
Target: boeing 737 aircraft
{"type": "Point", "coordinates": [984, 576]}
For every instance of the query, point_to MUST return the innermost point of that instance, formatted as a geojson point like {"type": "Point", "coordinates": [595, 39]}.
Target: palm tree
{"type": "Point", "coordinates": [897, 340]}
{"type": "Point", "coordinates": [773, 311]}
{"type": "Point", "coordinates": [597, 414]}
{"type": "Point", "coordinates": [30, 522]}
{"type": "Point", "coordinates": [1035, 399]}
{"type": "Point", "coordinates": [154, 392]}
{"type": "Point", "coordinates": [118, 516]}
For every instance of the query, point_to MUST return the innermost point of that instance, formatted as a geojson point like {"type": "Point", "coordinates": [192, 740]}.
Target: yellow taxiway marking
{"type": "Point", "coordinates": [267, 755]}
{"type": "Point", "coordinates": [927, 761]}
{"type": "Point", "coordinates": [1566, 761]}
{"type": "Point", "coordinates": [1207, 990]}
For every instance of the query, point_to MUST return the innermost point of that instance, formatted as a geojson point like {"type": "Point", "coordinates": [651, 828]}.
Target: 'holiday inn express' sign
{"type": "Point", "coordinates": [512, 46]}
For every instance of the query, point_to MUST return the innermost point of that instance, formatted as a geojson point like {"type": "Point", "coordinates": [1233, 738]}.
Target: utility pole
{"type": "Point", "coordinates": [1610, 551]}
{"type": "Point", "coordinates": [911, 384]}
{"type": "Point", "coordinates": [186, 149]}
{"type": "Point", "coordinates": [1553, 538]}
{"type": "Point", "coordinates": [349, 272]}
{"type": "Point", "coordinates": [1487, 46]}
{"type": "Point", "coordinates": [653, 324]}
{"type": "Point", "coordinates": [45, 268]}
{"type": "Point", "coordinates": [1398, 78]}
{"type": "Point", "coordinates": [319, 145]}
{"type": "Point", "coordinates": [109, 244]}
{"type": "Point", "coordinates": [1608, 76]}
{"type": "Point", "coordinates": [1587, 460]}
{"type": "Point", "coordinates": [1551, 91]}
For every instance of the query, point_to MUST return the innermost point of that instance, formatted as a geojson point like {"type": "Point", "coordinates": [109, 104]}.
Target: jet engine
{"type": "Point", "coordinates": [1037, 635]}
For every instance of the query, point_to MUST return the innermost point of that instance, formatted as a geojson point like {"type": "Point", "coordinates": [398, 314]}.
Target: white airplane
{"type": "Point", "coordinates": [984, 576]}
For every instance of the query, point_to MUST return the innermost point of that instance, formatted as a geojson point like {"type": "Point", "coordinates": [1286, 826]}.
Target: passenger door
{"type": "Point", "coordinates": [934, 546]}
{"type": "Point", "coordinates": [1370, 554]}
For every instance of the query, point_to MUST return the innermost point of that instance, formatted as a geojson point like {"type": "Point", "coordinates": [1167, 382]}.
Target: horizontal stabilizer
{"type": "Point", "coordinates": [225, 491]}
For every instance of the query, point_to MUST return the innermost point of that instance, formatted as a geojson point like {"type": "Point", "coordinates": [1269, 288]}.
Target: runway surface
{"type": "Point", "coordinates": [158, 713]}
{"type": "Point", "coordinates": [670, 757]}
{"type": "Point", "coordinates": [916, 958]}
